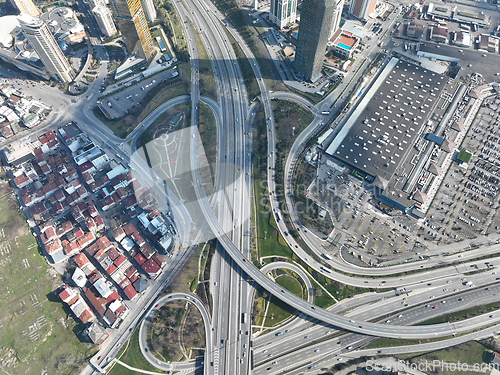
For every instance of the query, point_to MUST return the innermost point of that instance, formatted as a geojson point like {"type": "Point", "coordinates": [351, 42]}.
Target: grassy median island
{"type": "Point", "coordinates": [207, 126]}
{"type": "Point", "coordinates": [37, 331]}
{"type": "Point", "coordinates": [270, 242]}
{"type": "Point", "coordinates": [269, 311]}
{"type": "Point", "coordinates": [175, 331]}
{"type": "Point", "coordinates": [206, 75]}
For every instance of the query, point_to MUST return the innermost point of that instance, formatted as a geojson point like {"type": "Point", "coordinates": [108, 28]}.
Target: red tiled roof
{"type": "Point", "coordinates": [130, 271]}
{"type": "Point", "coordinates": [79, 233]}
{"type": "Point", "coordinates": [133, 278]}
{"type": "Point", "coordinates": [130, 292]}
{"type": "Point", "coordinates": [112, 297]}
{"type": "Point", "coordinates": [111, 268]}
{"type": "Point", "coordinates": [112, 253]}
{"type": "Point", "coordinates": [140, 259]}
{"type": "Point", "coordinates": [118, 261]}
{"type": "Point", "coordinates": [85, 316]}
{"type": "Point", "coordinates": [129, 229]}
{"type": "Point", "coordinates": [98, 221]}
{"type": "Point", "coordinates": [71, 247]}
{"type": "Point", "coordinates": [81, 260]}
{"type": "Point", "coordinates": [124, 283]}
{"type": "Point", "coordinates": [64, 295]}
{"type": "Point", "coordinates": [151, 267]}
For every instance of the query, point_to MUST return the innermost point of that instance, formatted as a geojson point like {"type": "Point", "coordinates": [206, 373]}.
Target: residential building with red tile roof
{"type": "Point", "coordinates": [140, 259]}
{"type": "Point", "coordinates": [151, 268]}
{"type": "Point", "coordinates": [84, 264]}
{"type": "Point", "coordinates": [118, 234]}
{"type": "Point", "coordinates": [129, 229]}
{"type": "Point", "coordinates": [48, 234]}
{"type": "Point", "coordinates": [68, 295]}
{"type": "Point", "coordinates": [130, 292]}
{"type": "Point", "coordinates": [86, 240]}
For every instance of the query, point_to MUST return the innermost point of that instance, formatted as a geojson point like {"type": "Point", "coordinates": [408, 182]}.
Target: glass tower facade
{"type": "Point", "coordinates": [134, 28]}
{"type": "Point", "coordinates": [314, 32]}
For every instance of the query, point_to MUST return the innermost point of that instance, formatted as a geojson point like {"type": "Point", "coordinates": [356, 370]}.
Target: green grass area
{"type": "Point", "coordinates": [267, 233]}
{"type": "Point", "coordinates": [173, 320]}
{"type": "Point", "coordinates": [291, 284]}
{"type": "Point", "coordinates": [207, 127]}
{"type": "Point", "coordinates": [184, 279]}
{"type": "Point", "coordinates": [37, 330]}
{"type": "Point", "coordinates": [206, 75]}
{"type": "Point", "coordinates": [463, 314]}
{"type": "Point", "coordinates": [156, 32]}
{"type": "Point", "coordinates": [277, 312]}
{"type": "Point", "coordinates": [470, 352]}
{"type": "Point", "coordinates": [132, 356]}
{"type": "Point", "coordinates": [290, 120]}
{"type": "Point", "coordinates": [162, 124]}
{"type": "Point", "coordinates": [157, 95]}
{"type": "Point", "coordinates": [172, 26]}
{"type": "Point", "coordinates": [231, 9]}
{"type": "Point", "coordinates": [116, 56]}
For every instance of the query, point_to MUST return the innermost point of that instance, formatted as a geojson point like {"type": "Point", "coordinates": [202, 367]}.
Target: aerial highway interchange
{"type": "Point", "coordinates": [230, 344]}
{"type": "Point", "coordinates": [315, 338]}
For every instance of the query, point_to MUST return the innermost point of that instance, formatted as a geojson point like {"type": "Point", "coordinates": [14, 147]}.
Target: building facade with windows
{"type": "Point", "coordinates": [133, 25]}
{"type": "Point", "coordinates": [282, 12]}
{"type": "Point", "coordinates": [314, 32]}
{"type": "Point", "coordinates": [43, 42]}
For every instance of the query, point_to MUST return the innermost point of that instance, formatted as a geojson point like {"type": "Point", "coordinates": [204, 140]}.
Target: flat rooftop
{"type": "Point", "coordinates": [387, 122]}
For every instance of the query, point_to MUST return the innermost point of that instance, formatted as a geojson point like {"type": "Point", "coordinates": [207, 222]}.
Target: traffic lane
{"type": "Point", "coordinates": [415, 315]}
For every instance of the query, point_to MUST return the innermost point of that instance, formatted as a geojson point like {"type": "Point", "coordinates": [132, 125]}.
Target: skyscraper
{"type": "Point", "coordinates": [362, 8]}
{"type": "Point", "coordinates": [41, 40]}
{"type": "Point", "coordinates": [134, 28]}
{"type": "Point", "coordinates": [337, 16]}
{"type": "Point", "coordinates": [282, 12]}
{"type": "Point", "coordinates": [149, 10]}
{"type": "Point", "coordinates": [314, 32]}
{"type": "Point", "coordinates": [26, 6]}
{"type": "Point", "coordinates": [104, 19]}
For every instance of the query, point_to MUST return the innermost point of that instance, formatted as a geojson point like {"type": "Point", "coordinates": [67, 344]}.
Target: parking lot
{"type": "Point", "coordinates": [468, 199]}
{"type": "Point", "coordinates": [116, 105]}
{"type": "Point", "coordinates": [368, 236]}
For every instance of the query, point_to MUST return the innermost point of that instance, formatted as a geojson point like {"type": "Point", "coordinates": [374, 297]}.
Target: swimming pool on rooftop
{"type": "Point", "coordinates": [344, 46]}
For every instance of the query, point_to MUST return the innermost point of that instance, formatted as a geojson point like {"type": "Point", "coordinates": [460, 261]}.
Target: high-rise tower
{"type": "Point", "coordinates": [104, 19]}
{"type": "Point", "coordinates": [314, 32]}
{"type": "Point", "coordinates": [282, 12]}
{"type": "Point", "coordinates": [149, 10]}
{"type": "Point", "coordinates": [337, 16]}
{"type": "Point", "coordinates": [42, 41]}
{"type": "Point", "coordinates": [134, 28]}
{"type": "Point", "coordinates": [26, 6]}
{"type": "Point", "coordinates": [362, 8]}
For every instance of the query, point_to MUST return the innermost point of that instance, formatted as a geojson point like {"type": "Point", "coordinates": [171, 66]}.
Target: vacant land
{"type": "Point", "coordinates": [37, 330]}
{"type": "Point", "coordinates": [176, 332]}
{"type": "Point", "coordinates": [188, 276]}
